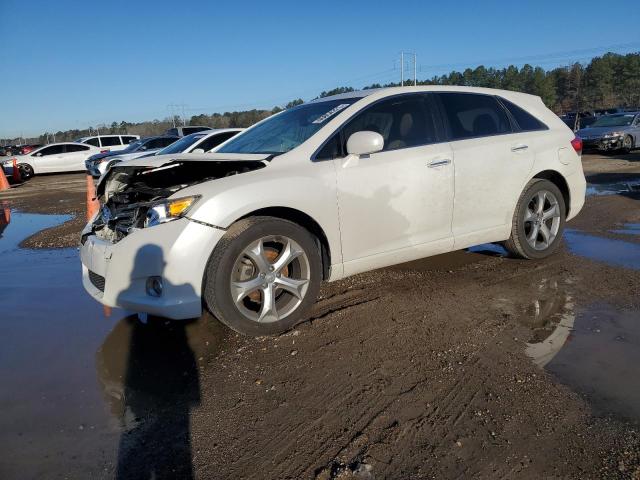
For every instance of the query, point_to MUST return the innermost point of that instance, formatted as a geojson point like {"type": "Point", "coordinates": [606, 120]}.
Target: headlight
{"type": "Point", "coordinates": [167, 210]}
{"type": "Point", "coordinates": [613, 134]}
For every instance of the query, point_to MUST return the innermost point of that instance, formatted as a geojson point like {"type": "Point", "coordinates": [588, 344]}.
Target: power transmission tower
{"type": "Point", "coordinates": [415, 67]}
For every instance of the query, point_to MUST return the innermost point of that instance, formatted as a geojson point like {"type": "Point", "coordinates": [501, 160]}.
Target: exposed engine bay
{"type": "Point", "coordinates": [127, 193]}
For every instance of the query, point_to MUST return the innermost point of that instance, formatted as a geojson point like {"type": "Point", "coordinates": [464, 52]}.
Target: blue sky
{"type": "Point", "coordinates": [71, 64]}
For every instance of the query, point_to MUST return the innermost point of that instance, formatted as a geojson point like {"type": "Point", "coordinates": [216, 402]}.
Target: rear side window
{"type": "Point", "coordinates": [472, 115]}
{"type": "Point", "coordinates": [93, 141]}
{"type": "Point", "coordinates": [76, 148]}
{"type": "Point", "coordinates": [110, 141]}
{"type": "Point", "coordinates": [215, 140]}
{"type": "Point", "coordinates": [524, 119]}
{"type": "Point", "coordinates": [172, 131]}
{"type": "Point", "coordinates": [127, 139]}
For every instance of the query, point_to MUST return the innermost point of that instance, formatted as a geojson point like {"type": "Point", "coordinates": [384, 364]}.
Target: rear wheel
{"type": "Point", "coordinates": [263, 276]}
{"type": "Point", "coordinates": [538, 221]}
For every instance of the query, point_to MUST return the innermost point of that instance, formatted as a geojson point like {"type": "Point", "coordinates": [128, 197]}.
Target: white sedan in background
{"type": "Point", "coordinates": [52, 158]}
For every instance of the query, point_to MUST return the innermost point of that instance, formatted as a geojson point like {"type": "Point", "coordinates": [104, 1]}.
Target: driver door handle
{"type": "Point", "coordinates": [439, 163]}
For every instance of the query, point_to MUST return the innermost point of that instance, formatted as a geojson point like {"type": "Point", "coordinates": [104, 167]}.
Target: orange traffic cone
{"type": "Point", "coordinates": [107, 311]}
{"type": "Point", "coordinates": [93, 205]}
{"type": "Point", "coordinates": [4, 184]}
{"type": "Point", "coordinates": [17, 178]}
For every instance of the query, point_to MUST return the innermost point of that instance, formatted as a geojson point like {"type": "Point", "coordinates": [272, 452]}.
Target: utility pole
{"type": "Point", "coordinates": [402, 69]}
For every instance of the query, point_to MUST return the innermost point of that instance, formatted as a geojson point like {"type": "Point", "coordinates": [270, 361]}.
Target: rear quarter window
{"type": "Point", "coordinates": [524, 119]}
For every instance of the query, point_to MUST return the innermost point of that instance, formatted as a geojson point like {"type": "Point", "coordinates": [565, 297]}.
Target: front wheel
{"type": "Point", "coordinates": [263, 276]}
{"type": "Point", "coordinates": [538, 221]}
{"type": "Point", "coordinates": [627, 144]}
{"type": "Point", "coordinates": [26, 170]}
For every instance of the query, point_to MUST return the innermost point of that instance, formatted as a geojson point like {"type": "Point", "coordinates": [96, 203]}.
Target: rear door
{"type": "Point", "coordinates": [74, 158]}
{"type": "Point", "coordinates": [399, 198]}
{"type": "Point", "coordinates": [492, 162]}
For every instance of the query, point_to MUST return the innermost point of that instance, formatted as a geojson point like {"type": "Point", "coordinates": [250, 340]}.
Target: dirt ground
{"type": "Point", "coordinates": [416, 371]}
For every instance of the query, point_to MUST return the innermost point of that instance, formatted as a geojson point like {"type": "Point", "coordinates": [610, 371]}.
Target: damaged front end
{"type": "Point", "coordinates": [137, 196]}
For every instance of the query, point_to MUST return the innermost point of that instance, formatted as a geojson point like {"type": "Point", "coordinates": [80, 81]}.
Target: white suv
{"type": "Point", "coordinates": [328, 189]}
{"type": "Point", "coordinates": [109, 142]}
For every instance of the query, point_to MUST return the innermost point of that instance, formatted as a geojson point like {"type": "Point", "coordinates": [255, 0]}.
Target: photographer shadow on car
{"type": "Point", "coordinates": [150, 377]}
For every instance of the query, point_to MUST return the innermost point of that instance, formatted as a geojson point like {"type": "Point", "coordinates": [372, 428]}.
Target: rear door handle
{"type": "Point", "coordinates": [439, 163]}
{"type": "Point", "coordinates": [519, 148]}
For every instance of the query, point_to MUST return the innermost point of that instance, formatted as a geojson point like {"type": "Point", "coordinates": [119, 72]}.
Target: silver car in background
{"type": "Point", "coordinates": [620, 131]}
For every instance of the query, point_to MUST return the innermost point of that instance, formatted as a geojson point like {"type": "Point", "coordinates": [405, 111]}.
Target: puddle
{"type": "Point", "coordinates": [593, 349]}
{"type": "Point", "coordinates": [628, 229]}
{"type": "Point", "coordinates": [82, 392]}
{"type": "Point", "coordinates": [491, 249]}
{"type": "Point", "coordinates": [597, 189]}
{"type": "Point", "coordinates": [613, 252]}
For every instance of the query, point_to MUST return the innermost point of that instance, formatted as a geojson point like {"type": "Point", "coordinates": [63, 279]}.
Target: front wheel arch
{"type": "Point", "coordinates": [305, 221]}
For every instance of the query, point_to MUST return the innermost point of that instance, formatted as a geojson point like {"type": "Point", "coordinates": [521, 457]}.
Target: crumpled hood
{"type": "Point", "coordinates": [159, 160]}
{"type": "Point", "coordinates": [599, 132]}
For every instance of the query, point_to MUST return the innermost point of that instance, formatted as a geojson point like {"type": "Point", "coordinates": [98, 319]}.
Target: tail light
{"type": "Point", "coordinates": [104, 151]}
{"type": "Point", "coordinates": [576, 143]}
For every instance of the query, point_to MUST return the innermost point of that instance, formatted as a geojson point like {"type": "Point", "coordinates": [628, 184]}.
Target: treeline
{"type": "Point", "coordinates": [608, 81]}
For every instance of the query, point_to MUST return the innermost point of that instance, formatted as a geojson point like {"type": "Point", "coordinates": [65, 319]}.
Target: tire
{"type": "Point", "coordinates": [528, 221]}
{"type": "Point", "coordinates": [627, 144]}
{"type": "Point", "coordinates": [26, 170]}
{"type": "Point", "coordinates": [232, 288]}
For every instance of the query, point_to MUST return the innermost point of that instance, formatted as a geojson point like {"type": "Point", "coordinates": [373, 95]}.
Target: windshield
{"type": "Point", "coordinates": [182, 144]}
{"type": "Point", "coordinates": [287, 130]}
{"type": "Point", "coordinates": [621, 120]}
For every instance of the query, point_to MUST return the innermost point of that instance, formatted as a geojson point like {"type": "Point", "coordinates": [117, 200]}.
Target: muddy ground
{"type": "Point", "coordinates": [465, 365]}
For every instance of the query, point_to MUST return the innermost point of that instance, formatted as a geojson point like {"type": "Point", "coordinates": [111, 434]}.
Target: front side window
{"type": "Point", "coordinates": [524, 119]}
{"type": "Point", "coordinates": [405, 121]}
{"type": "Point", "coordinates": [93, 141]}
{"type": "Point", "coordinates": [287, 130]}
{"type": "Point", "coordinates": [52, 150]}
{"type": "Point", "coordinates": [471, 115]}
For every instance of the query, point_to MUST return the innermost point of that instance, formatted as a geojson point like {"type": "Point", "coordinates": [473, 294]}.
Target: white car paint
{"type": "Point", "coordinates": [375, 210]}
{"type": "Point", "coordinates": [48, 159]}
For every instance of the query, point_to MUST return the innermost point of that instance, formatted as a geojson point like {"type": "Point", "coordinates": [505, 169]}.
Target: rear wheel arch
{"type": "Point", "coordinates": [305, 221]}
{"type": "Point", "coordinates": [559, 181]}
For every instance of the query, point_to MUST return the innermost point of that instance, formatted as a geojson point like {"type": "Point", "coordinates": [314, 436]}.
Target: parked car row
{"type": "Point", "coordinates": [96, 154]}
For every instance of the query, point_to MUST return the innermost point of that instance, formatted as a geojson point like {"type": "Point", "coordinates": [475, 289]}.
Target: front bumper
{"type": "Point", "coordinates": [93, 168]}
{"type": "Point", "coordinates": [115, 274]}
{"type": "Point", "coordinates": [602, 144]}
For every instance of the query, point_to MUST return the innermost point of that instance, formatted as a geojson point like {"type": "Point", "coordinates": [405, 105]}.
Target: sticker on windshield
{"type": "Point", "coordinates": [330, 113]}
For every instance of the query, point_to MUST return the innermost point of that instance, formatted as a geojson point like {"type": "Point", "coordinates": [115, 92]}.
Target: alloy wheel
{"type": "Point", "coordinates": [542, 220]}
{"type": "Point", "coordinates": [270, 279]}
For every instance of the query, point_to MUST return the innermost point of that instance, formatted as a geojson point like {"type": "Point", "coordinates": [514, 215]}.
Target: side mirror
{"type": "Point", "coordinates": [198, 150]}
{"type": "Point", "coordinates": [38, 154]}
{"type": "Point", "coordinates": [143, 148]}
{"type": "Point", "coordinates": [364, 143]}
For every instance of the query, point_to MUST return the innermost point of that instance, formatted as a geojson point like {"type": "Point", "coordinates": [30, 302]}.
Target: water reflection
{"type": "Point", "coordinates": [5, 218]}
{"type": "Point", "coordinates": [592, 348]}
{"type": "Point", "coordinates": [150, 377]}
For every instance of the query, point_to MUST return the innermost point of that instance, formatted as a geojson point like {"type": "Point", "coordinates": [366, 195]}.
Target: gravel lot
{"type": "Point", "coordinates": [465, 365]}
